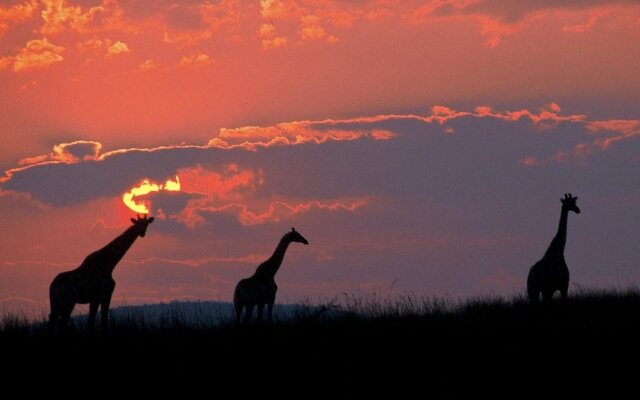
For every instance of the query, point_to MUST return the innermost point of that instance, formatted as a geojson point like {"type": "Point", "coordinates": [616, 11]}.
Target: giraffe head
{"type": "Point", "coordinates": [569, 203]}
{"type": "Point", "coordinates": [141, 224]}
{"type": "Point", "coordinates": [294, 236]}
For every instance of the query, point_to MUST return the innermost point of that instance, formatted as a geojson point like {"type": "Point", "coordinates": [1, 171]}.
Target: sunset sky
{"type": "Point", "coordinates": [419, 145]}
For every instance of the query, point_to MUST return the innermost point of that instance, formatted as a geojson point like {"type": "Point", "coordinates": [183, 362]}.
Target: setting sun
{"type": "Point", "coordinates": [144, 188]}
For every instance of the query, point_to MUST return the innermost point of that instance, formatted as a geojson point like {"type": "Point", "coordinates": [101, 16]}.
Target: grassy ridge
{"type": "Point", "coordinates": [361, 345]}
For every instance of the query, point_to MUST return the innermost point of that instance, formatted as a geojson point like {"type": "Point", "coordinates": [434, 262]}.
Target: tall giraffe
{"type": "Point", "coordinates": [260, 288]}
{"type": "Point", "coordinates": [551, 274]}
{"type": "Point", "coordinates": [92, 281]}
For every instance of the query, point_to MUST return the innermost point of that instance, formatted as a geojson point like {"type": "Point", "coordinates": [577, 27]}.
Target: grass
{"type": "Point", "coordinates": [353, 345]}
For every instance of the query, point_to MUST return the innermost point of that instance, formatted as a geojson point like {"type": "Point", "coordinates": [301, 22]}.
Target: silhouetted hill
{"type": "Point", "coordinates": [497, 347]}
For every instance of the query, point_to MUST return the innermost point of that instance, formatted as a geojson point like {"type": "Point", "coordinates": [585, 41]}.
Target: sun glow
{"type": "Point", "coordinates": [145, 187]}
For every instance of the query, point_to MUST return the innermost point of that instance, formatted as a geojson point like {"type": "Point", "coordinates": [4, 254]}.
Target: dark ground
{"type": "Point", "coordinates": [588, 346]}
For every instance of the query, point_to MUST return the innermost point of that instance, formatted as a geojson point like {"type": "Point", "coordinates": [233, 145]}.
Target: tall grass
{"type": "Point", "coordinates": [13, 321]}
{"type": "Point", "coordinates": [613, 307]}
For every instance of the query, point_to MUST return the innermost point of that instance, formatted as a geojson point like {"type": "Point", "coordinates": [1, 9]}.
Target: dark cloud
{"type": "Point", "coordinates": [422, 155]}
{"type": "Point", "coordinates": [513, 11]}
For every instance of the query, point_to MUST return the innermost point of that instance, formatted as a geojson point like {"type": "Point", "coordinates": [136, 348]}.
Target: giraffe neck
{"type": "Point", "coordinates": [113, 252]}
{"type": "Point", "coordinates": [559, 241]}
{"type": "Point", "coordinates": [271, 266]}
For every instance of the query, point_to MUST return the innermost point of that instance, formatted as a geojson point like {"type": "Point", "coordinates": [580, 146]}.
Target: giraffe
{"type": "Point", "coordinates": [92, 282]}
{"type": "Point", "coordinates": [260, 288]}
{"type": "Point", "coordinates": [551, 274]}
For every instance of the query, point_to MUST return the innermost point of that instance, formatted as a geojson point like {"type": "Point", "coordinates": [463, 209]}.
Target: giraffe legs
{"type": "Point", "coordinates": [563, 294]}
{"type": "Point", "coordinates": [270, 312]}
{"type": "Point", "coordinates": [260, 310]}
{"type": "Point", "coordinates": [93, 310]}
{"type": "Point", "coordinates": [238, 308]}
{"type": "Point", "coordinates": [249, 311]}
{"type": "Point", "coordinates": [547, 296]}
{"type": "Point", "coordinates": [53, 321]}
{"type": "Point", "coordinates": [104, 314]}
{"type": "Point", "coordinates": [54, 316]}
{"type": "Point", "coordinates": [564, 289]}
{"type": "Point", "coordinates": [65, 315]}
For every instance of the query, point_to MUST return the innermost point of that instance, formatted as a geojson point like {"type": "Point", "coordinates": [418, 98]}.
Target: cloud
{"type": "Point", "coordinates": [16, 14]}
{"type": "Point", "coordinates": [608, 132]}
{"type": "Point", "coordinates": [310, 21]}
{"type": "Point", "coordinates": [6, 62]}
{"type": "Point", "coordinates": [23, 198]}
{"type": "Point", "coordinates": [529, 161]}
{"type": "Point", "coordinates": [251, 259]}
{"type": "Point", "coordinates": [293, 133]}
{"type": "Point", "coordinates": [274, 212]}
{"type": "Point", "coordinates": [147, 66]}
{"type": "Point", "coordinates": [59, 16]}
{"type": "Point", "coordinates": [277, 8]}
{"type": "Point", "coordinates": [514, 11]}
{"type": "Point", "coordinates": [220, 185]}
{"type": "Point", "coordinates": [498, 19]}
{"type": "Point", "coordinates": [38, 53]}
{"type": "Point", "coordinates": [269, 38]}
{"type": "Point", "coordinates": [117, 48]}
{"type": "Point", "coordinates": [197, 59]}
{"type": "Point", "coordinates": [93, 44]}
{"type": "Point", "coordinates": [73, 152]}
{"type": "Point", "coordinates": [186, 37]}
{"type": "Point", "coordinates": [582, 27]}
{"type": "Point", "coordinates": [189, 24]}
{"type": "Point", "coordinates": [235, 174]}
{"type": "Point", "coordinates": [105, 46]}
{"type": "Point", "coordinates": [234, 191]}
{"type": "Point", "coordinates": [311, 28]}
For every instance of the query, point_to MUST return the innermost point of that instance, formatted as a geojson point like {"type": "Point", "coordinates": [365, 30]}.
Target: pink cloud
{"type": "Point", "coordinates": [269, 37]}
{"type": "Point", "coordinates": [69, 153]}
{"type": "Point", "coordinates": [274, 212]}
{"type": "Point", "coordinates": [251, 259]}
{"type": "Point", "coordinates": [211, 18]}
{"type": "Point", "coordinates": [313, 21]}
{"type": "Point", "coordinates": [623, 126]}
{"type": "Point", "coordinates": [529, 161]}
{"type": "Point", "coordinates": [186, 37]}
{"type": "Point", "coordinates": [608, 132]}
{"type": "Point", "coordinates": [232, 191]}
{"type": "Point", "coordinates": [92, 44]}
{"type": "Point", "coordinates": [59, 16]}
{"type": "Point", "coordinates": [311, 28]}
{"type": "Point", "coordinates": [496, 30]}
{"type": "Point", "coordinates": [227, 184]}
{"type": "Point", "coordinates": [498, 19]}
{"type": "Point", "coordinates": [108, 47]}
{"type": "Point", "coordinates": [117, 48]}
{"type": "Point", "coordinates": [147, 66]}
{"type": "Point", "coordinates": [38, 53]}
{"type": "Point", "coordinates": [23, 198]}
{"type": "Point", "coordinates": [278, 8]}
{"type": "Point", "coordinates": [197, 59]}
{"type": "Point", "coordinates": [73, 152]}
{"type": "Point", "coordinates": [582, 27]}
{"type": "Point", "coordinates": [16, 14]}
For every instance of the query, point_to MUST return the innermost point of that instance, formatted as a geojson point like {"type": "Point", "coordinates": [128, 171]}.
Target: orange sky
{"type": "Point", "coordinates": [126, 74]}
{"type": "Point", "coordinates": [317, 114]}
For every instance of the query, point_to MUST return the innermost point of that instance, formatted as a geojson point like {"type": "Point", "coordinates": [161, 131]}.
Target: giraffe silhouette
{"type": "Point", "coordinates": [260, 288]}
{"type": "Point", "coordinates": [551, 274]}
{"type": "Point", "coordinates": [92, 281]}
